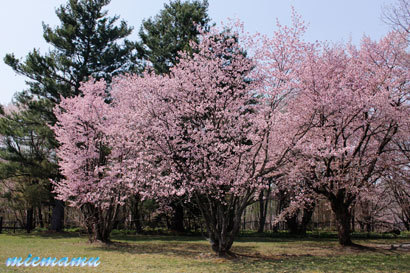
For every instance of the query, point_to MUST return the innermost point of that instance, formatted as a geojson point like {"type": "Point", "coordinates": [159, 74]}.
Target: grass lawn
{"type": "Point", "coordinates": [155, 253]}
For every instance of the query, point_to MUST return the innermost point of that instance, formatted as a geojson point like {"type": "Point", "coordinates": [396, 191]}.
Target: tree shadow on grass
{"type": "Point", "coordinates": [196, 245]}
{"type": "Point", "coordinates": [153, 238]}
{"type": "Point", "coordinates": [244, 239]}
{"type": "Point", "coordinates": [174, 248]}
{"type": "Point", "coordinates": [284, 239]}
{"type": "Point", "coordinates": [186, 247]}
{"type": "Point", "coordinates": [48, 235]}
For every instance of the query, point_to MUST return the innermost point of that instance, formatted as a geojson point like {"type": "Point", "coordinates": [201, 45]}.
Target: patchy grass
{"type": "Point", "coordinates": [159, 253]}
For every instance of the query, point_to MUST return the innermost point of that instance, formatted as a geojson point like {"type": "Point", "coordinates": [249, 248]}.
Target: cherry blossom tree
{"type": "Point", "coordinates": [355, 103]}
{"type": "Point", "coordinates": [195, 129]}
{"type": "Point", "coordinates": [91, 181]}
{"type": "Point", "coordinates": [208, 137]}
{"type": "Point", "coordinates": [330, 116]}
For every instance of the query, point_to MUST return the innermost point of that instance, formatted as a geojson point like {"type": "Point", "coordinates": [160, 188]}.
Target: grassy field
{"type": "Point", "coordinates": [161, 253]}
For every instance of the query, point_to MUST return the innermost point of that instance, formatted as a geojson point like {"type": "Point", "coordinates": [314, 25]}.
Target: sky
{"type": "Point", "coordinates": [330, 20]}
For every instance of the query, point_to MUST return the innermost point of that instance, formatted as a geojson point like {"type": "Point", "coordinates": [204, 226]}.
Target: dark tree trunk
{"type": "Point", "coordinates": [102, 233]}
{"type": "Point", "coordinates": [136, 215]}
{"type": "Point", "coordinates": [306, 218]}
{"type": "Point", "coordinates": [368, 227]}
{"type": "Point", "coordinates": [296, 226]}
{"type": "Point", "coordinates": [298, 222]}
{"type": "Point", "coordinates": [262, 214]}
{"type": "Point", "coordinates": [29, 220]}
{"type": "Point", "coordinates": [177, 220]}
{"type": "Point", "coordinates": [222, 221]}
{"type": "Point", "coordinates": [244, 220]}
{"type": "Point", "coordinates": [292, 223]}
{"type": "Point", "coordinates": [353, 221]}
{"type": "Point", "coordinates": [221, 245]}
{"type": "Point", "coordinates": [57, 217]}
{"type": "Point", "coordinates": [99, 223]}
{"type": "Point", "coordinates": [40, 216]}
{"type": "Point", "coordinates": [263, 210]}
{"type": "Point", "coordinates": [281, 205]}
{"type": "Point", "coordinates": [222, 235]}
{"type": "Point", "coordinates": [406, 222]}
{"type": "Point", "coordinates": [343, 217]}
{"type": "Point", "coordinates": [97, 232]}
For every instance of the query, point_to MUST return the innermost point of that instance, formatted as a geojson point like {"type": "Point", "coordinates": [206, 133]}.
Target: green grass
{"type": "Point", "coordinates": [166, 253]}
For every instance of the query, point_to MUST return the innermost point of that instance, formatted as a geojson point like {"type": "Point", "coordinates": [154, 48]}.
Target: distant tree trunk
{"type": "Point", "coordinates": [299, 227]}
{"type": "Point", "coordinates": [263, 209]}
{"type": "Point", "coordinates": [136, 214]}
{"type": "Point", "coordinates": [40, 216]}
{"type": "Point", "coordinates": [298, 222]}
{"type": "Point", "coordinates": [406, 221]}
{"type": "Point", "coordinates": [306, 218]}
{"type": "Point", "coordinates": [368, 224]}
{"type": "Point", "coordinates": [177, 220]}
{"type": "Point", "coordinates": [281, 204]}
{"type": "Point", "coordinates": [57, 217]}
{"type": "Point", "coordinates": [244, 220]}
{"type": "Point", "coordinates": [353, 220]}
{"type": "Point", "coordinates": [119, 221]}
{"type": "Point", "coordinates": [292, 224]}
{"type": "Point", "coordinates": [29, 221]}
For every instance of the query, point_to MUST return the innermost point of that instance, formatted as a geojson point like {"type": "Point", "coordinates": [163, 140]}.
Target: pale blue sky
{"type": "Point", "coordinates": [332, 20]}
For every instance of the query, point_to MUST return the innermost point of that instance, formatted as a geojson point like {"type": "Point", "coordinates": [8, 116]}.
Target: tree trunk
{"type": "Point", "coordinates": [222, 237]}
{"type": "Point", "coordinates": [368, 227]}
{"type": "Point", "coordinates": [281, 205]}
{"type": "Point", "coordinates": [299, 227]}
{"type": "Point", "coordinates": [29, 220]}
{"type": "Point", "coordinates": [136, 215]}
{"type": "Point", "coordinates": [343, 218]}
{"type": "Point", "coordinates": [40, 216]}
{"type": "Point", "coordinates": [353, 221]}
{"type": "Point", "coordinates": [263, 208]}
{"type": "Point", "coordinates": [177, 220]}
{"type": "Point", "coordinates": [222, 221]}
{"type": "Point", "coordinates": [57, 217]}
{"type": "Point", "coordinates": [99, 223]}
{"type": "Point", "coordinates": [292, 224]}
{"type": "Point", "coordinates": [102, 233]}
{"type": "Point", "coordinates": [244, 220]}
{"type": "Point", "coordinates": [221, 246]}
{"type": "Point", "coordinates": [97, 232]}
{"type": "Point", "coordinates": [306, 218]}
{"type": "Point", "coordinates": [405, 222]}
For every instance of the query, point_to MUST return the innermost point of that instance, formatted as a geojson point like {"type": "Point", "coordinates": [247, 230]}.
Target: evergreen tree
{"type": "Point", "coordinates": [87, 43]}
{"type": "Point", "coordinates": [84, 45]}
{"type": "Point", "coordinates": [163, 36]}
{"type": "Point", "coordinates": [27, 163]}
